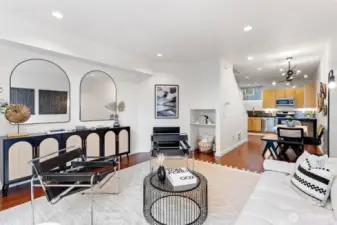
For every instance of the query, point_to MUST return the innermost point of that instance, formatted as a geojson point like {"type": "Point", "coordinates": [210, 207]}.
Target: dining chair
{"type": "Point", "coordinates": [290, 138]}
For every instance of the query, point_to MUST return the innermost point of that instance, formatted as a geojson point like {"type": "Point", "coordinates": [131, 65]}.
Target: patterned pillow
{"type": "Point", "coordinates": [312, 181]}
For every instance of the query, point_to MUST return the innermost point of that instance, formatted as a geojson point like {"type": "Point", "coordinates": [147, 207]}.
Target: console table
{"type": "Point", "coordinates": [16, 152]}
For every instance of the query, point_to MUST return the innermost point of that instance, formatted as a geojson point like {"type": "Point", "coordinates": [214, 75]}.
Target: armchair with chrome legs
{"type": "Point", "coordinates": [67, 172]}
{"type": "Point", "coordinates": [160, 145]}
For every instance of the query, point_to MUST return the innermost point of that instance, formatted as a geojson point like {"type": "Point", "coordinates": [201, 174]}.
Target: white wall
{"type": "Point", "coordinates": [127, 88]}
{"type": "Point", "coordinates": [322, 76]}
{"type": "Point", "coordinates": [257, 104]}
{"type": "Point", "coordinates": [198, 86]}
{"type": "Point", "coordinates": [233, 115]}
{"type": "Point", "coordinates": [333, 101]}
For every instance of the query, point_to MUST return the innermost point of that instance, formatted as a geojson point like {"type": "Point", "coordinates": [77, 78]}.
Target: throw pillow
{"type": "Point", "coordinates": [315, 160]}
{"type": "Point", "coordinates": [334, 198]}
{"type": "Point", "coordinates": [313, 182]}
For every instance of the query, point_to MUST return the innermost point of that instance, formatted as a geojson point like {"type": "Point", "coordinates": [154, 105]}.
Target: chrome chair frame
{"type": "Point", "coordinates": [184, 147]}
{"type": "Point", "coordinates": [93, 181]}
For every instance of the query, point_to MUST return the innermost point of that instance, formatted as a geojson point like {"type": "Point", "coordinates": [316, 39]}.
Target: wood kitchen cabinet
{"type": "Point", "coordinates": [290, 93]}
{"type": "Point", "coordinates": [299, 97]}
{"type": "Point", "coordinates": [279, 93]}
{"type": "Point", "coordinates": [310, 95]}
{"type": "Point", "coordinates": [269, 99]}
{"type": "Point", "coordinates": [254, 124]}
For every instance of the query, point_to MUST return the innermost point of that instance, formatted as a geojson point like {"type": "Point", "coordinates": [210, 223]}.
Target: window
{"type": "Point", "coordinates": [254, 93]}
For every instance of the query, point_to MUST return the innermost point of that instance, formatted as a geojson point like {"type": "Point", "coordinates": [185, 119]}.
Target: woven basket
{"type": "Point", "coordinates": [205, 146]}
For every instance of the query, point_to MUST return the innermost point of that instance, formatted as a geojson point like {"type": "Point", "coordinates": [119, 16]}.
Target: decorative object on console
{"type": "Point", "coordinates": [161, 173]}
{"type": "Point", "coordinates": [166, 101]}
{"type": "Point", "coordinates": [17, 114]}
{"type": "Point", "coordinates": [116, 109]}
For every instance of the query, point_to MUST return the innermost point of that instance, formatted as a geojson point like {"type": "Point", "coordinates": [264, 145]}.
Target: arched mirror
{"type": "Point", "coordinates": [44, 88]}
{"type": "Point", "coordinates": [98, 94]}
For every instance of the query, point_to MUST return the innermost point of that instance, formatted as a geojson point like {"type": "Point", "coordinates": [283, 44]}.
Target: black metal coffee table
{"type": "Point", "coordinates": [164, 204]}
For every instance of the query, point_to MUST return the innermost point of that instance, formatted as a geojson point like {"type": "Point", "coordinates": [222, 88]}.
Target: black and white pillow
{"type": "Point", "coordinates": [313, 181]}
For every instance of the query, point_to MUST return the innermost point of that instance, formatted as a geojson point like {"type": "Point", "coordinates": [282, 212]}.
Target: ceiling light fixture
{"type": "Point", "coordinates": [57, 14]}
{"type": "Point", "coordinates": [247, 28]}
{"type": "Point", "coordinates": [259, 69]}
{"type": "Point", "coordinates": [247, 77]}
{"type": "Point", "coordinates": [250, 58]}
{"type": "Point", "coordinates": [160, 55]}
{"type": "Point", "coordinates": [274, 83]}
{"type": "Point", "coordinates": [305, 76]}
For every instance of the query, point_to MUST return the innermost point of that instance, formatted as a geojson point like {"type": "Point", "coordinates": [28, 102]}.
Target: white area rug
{"type": "Point", "coordinates": [228, 188]}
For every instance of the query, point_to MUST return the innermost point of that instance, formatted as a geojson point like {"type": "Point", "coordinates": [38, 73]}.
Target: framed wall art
{"type": "Point", "coordinates": [166, 101]}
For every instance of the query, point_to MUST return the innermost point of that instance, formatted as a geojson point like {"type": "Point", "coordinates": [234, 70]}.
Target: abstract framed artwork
{"type": "Point", "coordinates": [323, 90]}
{"type": "Point", "coordinates": [166, 101]}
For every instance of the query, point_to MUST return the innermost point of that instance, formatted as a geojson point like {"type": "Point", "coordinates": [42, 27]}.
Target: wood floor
{"type": "Point", "coordinates": [247, 156]}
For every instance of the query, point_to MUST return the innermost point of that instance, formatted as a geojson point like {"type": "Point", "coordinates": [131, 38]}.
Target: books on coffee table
{"type": "Point", "coordinates": [180, 177]}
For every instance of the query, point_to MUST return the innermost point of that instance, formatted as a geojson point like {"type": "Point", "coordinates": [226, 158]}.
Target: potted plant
{"type": "Point", "coordinates": [115, 109]}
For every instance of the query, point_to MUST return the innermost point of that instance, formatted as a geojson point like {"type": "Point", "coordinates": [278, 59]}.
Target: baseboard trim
{"type": "Point", "coordinates": [231, 148]}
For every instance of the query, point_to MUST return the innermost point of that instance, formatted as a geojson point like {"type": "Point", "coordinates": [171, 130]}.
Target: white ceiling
{"type": "Point", "coordinates": [189, 30]}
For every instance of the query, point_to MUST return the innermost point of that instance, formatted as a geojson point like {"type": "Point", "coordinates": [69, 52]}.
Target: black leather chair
{"type": "Point", "coordinates": [67, 172]}
{"type": "Point", "coordinates": [316, 141]}
{"type": "Point", "coordinates": [174, 145]}
{"type": "Point", "coordinates": [290, 138]}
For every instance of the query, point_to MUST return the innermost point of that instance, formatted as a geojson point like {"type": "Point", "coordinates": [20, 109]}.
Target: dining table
{"type": "Point", "coordinates": [271, 145]}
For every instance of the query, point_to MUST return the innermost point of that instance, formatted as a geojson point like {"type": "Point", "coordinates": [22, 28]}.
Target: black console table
{"type": "Point", "coordinates": [34, 141]}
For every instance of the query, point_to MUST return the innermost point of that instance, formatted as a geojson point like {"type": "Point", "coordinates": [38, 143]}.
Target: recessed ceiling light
{"type": "Point", "coordinates": [274, 83]}
{"type": "Point", "coordinates": [299, 71]}
{"type": "Point", "coordinates": [247, 77]}
{"type": "Point", "coordinates": [159, 55]}
{"type": "Point", "coordinates": [305, 76]}
{"type": "Point", "coordinates": [283, 74]}
{"type": "Point", "coordinates": [250, 57]}
{"type": "Point", "coordinates": [281, 70]}
{"type": "Point", "coordinates": [57, 14]}
{"type": "Point", "coordinates": [247, 28]}
{"type": "Point", "coordinates": [259, 68]}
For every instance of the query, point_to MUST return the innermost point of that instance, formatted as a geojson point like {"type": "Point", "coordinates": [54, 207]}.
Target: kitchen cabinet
{"type": "Point", "coordinates": [299, 97]}
{"type": "Point", "coordinates": [290, 93]}
{"type": "Point", "coordinates": [269, 99]}
{"type": "Point", "coordinates": [279, 93]}
{"type": "Point", "coordinates": [254, 124]}
{"type": "Point", "coordinates": [310, 95]}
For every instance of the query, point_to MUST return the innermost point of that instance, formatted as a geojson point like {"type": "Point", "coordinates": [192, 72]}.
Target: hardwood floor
{"type": "Point", "coordinates": [247, 156]}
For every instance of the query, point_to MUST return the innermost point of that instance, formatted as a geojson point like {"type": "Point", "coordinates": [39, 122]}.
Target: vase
{"type": "Point", "coordinates": [161, 173]}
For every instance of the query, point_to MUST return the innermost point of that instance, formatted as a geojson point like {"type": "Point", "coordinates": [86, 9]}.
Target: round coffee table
{"type": "Point", "coordinates": [164, 204]}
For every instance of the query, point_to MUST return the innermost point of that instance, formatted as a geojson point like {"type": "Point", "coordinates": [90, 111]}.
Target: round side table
{"type": "Point", "coordinates": [164, 204]}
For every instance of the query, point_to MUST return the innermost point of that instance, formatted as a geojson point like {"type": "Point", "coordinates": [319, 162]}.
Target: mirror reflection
{"type": "Point", "coordinates": [98, 95]}
{"type": "Point", "coordinates": [44, 88]}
